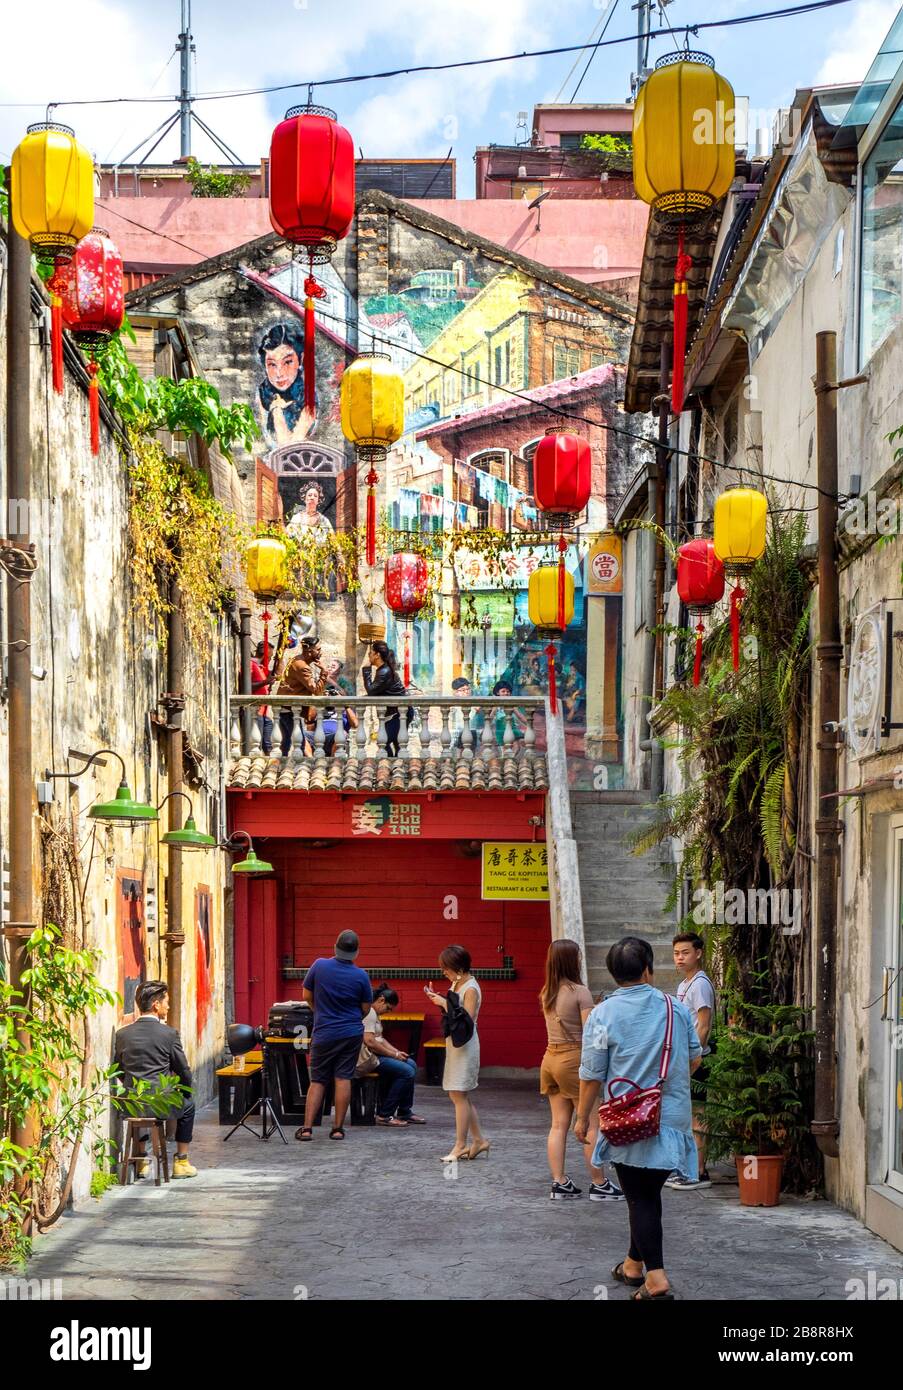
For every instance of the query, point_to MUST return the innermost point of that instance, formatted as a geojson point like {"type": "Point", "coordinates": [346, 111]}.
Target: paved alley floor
{"type": "Point", "coordinates": [378, 1217]}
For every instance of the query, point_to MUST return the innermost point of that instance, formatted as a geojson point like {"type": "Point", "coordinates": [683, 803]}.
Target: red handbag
{"type": "Point", "coordinates": [637, 1113]}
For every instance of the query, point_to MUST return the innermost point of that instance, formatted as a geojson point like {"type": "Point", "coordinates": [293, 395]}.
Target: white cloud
{"type": "Point", "coordinates": [854, 42]}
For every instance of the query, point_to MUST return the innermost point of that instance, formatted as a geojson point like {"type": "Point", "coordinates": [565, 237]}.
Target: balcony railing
{"type": "Point", "coordinates": [451, 730]}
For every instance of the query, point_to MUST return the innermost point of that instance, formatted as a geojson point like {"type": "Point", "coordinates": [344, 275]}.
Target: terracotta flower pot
{"type": "Point", "coordinates": [759, 1176]}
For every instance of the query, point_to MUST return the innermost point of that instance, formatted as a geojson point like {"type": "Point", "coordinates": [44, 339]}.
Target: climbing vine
{"type": "Point", "coordinates": [178, 530]}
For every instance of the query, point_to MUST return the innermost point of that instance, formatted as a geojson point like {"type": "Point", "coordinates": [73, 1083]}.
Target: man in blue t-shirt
{"type": "Point", "coordinates": [340, 994]}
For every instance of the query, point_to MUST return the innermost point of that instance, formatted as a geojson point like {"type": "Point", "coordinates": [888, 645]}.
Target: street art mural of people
{"type": "Point", "coordinates": [280, 394]}
{"type": "Point", "coordinates": [309, 519]}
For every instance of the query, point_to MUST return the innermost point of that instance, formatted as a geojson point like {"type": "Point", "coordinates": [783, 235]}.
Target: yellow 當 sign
{"type": "Point", "coordinates": [516, 869]}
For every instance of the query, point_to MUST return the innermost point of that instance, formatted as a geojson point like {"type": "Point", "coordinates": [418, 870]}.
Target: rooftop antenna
{"type": "Point", "coordinates": [520, 134]}
{"type": "Point", "coordinates": [183, 115]}
{"type": "Point", "coordinates": [185, 48]}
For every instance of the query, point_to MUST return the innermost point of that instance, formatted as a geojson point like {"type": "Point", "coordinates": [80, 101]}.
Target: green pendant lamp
{"type": "Point", "coordinates": [188, 837]}
{"type": "Point", "coordinates": [250, 865]}
{"type": "Point", "coordinates": [124, 809]}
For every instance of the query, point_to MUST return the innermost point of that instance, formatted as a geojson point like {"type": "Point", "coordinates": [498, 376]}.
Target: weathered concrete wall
{"type": "Point", "coordinates": [103, 678]}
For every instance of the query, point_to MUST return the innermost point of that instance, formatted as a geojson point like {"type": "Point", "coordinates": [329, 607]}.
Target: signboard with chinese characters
{"type": "Point", "coordinates": [515, 869]}
{"type": "Point", "coordinates": [513, 568]}
{"type": "Point", "coordinates": [604, 566]}
{"type": "Point", "coordinates": [384, 818]}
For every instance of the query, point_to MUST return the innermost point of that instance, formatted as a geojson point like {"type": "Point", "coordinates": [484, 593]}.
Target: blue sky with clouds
{"type": "Point", "coordinates": [106, 48]}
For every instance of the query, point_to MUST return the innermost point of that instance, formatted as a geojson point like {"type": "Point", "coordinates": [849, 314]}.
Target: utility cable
{"type": "Point", "coordinates": [786, 12]}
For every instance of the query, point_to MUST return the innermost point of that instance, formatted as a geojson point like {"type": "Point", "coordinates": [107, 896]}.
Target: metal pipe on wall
{"type": "Point", "coordinates": [19, 564]}
{"type": "Point", "coordinates": [174, 703]}
{"type": "Point", "coordinates": [657, 760]}
{"type": "Point", "coordinates": [244, 615]}
{"type": "Point", "coordinates": [829, 651]}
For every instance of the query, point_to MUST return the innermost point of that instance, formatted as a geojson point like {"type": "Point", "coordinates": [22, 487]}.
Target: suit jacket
{"type": "Point", "coordinates": [147, 1049]}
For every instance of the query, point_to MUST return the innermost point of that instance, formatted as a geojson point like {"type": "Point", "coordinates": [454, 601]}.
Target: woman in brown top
{"type": "Point", "coordinates": [566, 1005]}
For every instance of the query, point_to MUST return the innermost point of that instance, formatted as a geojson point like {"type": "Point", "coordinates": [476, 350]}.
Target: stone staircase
{"type": "Point", "coordinates": [622, 893]}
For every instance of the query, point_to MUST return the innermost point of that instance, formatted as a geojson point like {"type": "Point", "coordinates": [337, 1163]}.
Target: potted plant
{"type": "Point", "coordinates": [754, 1093]}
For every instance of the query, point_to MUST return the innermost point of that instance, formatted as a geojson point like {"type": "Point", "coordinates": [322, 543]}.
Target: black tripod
{"type": "Point", "coordinates": [268, 1122]}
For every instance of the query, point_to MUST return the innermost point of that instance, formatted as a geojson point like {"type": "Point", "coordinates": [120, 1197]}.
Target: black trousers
{"type": "Point", "coordinates": [184, 1119]}
{"type": "Point", "coordinates": [642, 1188]}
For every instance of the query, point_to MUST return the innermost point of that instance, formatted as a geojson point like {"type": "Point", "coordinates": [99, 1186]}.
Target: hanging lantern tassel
{"type": "Point", "coordinates": [56, 336]}
{"type": "Point", "coordinates": [407, 656]}
{"type": "Point", "coordinates": [681, 301]}
{"type": "Point", "coordinates": [737, 596]}
{"type": "Point", "coordinates": [372, 480]}
{"type": "Point", "coordinates": [562, 551]}
{"type": "Point", "coordinates": [94, 406]}
{"type": "Point", "coordinates": [266, 639]}
{"type": "Point", "coordinates": [697, 664]}
{"type": "Point", "coordinates": [553, 692]}
{"type": "Point", "coordinates": [312, 290]}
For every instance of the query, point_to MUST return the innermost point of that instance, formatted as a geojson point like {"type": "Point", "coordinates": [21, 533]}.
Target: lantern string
{"type": "Point", "coordinates": [553, 692]}
{"type": "Point", "coordinates": [697, 662]}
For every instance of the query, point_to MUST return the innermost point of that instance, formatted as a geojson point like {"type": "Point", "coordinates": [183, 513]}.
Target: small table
{"type": "Point", "coordinates": [289, 1079]}
{"type": "Point", "coordinates": [414, 1025]}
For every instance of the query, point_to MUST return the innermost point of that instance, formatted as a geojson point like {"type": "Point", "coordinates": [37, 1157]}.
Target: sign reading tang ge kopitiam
{"type": "Point", "coordinates": [515, 869]}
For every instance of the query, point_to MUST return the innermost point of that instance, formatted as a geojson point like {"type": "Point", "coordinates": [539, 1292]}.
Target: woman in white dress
{"type": "Point", "coordinates": [462, 1064]}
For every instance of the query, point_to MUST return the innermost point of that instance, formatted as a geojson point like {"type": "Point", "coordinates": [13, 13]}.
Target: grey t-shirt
{"type": "Point", "coordinates": [696, 994]}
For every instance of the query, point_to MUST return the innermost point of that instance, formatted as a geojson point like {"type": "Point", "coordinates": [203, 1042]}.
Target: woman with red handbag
{"type": "Point", "coordinates": [640, 1046]}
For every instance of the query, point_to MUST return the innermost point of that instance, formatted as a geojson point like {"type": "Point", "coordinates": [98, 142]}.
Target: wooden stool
{"type": "Point", "coordinates": [132, 1154]}
{"type": "Point", "coordinates": [364, 1095]}
{"type": "Point", "coordinates": [434, 1060]}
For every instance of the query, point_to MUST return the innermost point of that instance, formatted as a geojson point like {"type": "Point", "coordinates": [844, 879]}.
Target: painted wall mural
{"type": "Point", "coordinates": [492, 355]}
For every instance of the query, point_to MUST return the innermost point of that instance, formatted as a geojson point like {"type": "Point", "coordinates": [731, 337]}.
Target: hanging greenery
{"type": "Point", "coordinates": [178, 530]}
{"type": "Point", "coordinates": [188, 406]}
{"type": "Point", "coordinates": [740, 747]}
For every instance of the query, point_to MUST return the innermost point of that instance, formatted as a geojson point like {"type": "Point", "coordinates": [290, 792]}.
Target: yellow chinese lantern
{"type": "Point", "coordinates": [52, 205]}
{"type": "Point", "coordinates": [740, 517]}
{"type": "Point", "coordinates": [266, 578]}
{"type": "Point", "coordinates": [372, 420]}
{"type": "Point", "coordinates": [683, 162]}
{"type": "Point", "coordinates": [265, 567]}
{"type": "Point", "coordinates": [547, 605]}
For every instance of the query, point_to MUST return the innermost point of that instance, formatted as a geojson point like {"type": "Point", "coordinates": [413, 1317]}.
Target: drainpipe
{"type": "Point", "coordinates": [825, 1126]}
{"type": "Point", "coordinates": [657, 761]}
{"type": "Point", "coordinates": [174, 703]}
{"type": "Point", "coordinates": [19, 563]}
{"type": "Point", "coordinates": [246, 714]}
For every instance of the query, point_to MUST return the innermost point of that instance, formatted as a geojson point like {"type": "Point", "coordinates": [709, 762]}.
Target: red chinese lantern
{"type": "Point", "coordinates": [91, 289]}
{"type": "Point", "coordinates": [407, 589]}
{"type": "Point", "coordinates": [311, 175]}
{"type": "Point", "coordinates": [700, 585]}
{"type": "Point", "coordinates": [562, 483]}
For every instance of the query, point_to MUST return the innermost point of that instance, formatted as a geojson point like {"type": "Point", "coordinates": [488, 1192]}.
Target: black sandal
{"type": "Point", "coordinates": [629, 1279]}
{"type": "Point", "coordinates": [337, 1133]}
{"type": "Point", "coordinates": [305, 1134]}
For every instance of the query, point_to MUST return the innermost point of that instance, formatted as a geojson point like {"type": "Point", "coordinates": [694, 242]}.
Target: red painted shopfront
{"type": "Point", "coordinates": [404, 871]}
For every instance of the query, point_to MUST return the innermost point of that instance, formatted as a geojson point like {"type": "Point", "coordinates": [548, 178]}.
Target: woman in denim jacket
{"type": "Point", "coordinates": [623, 1036]}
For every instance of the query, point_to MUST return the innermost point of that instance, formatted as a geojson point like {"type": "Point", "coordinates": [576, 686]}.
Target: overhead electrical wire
{"type": "Point", "coordinates": [509, 391]}
{"type": "Point", "coordinates": [786, 12]}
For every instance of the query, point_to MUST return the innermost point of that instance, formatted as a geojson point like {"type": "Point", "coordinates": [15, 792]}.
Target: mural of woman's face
{"type": "Point", "coordinates": [312, 501]}
{"type": "Point", "coordinates": [282, 366]}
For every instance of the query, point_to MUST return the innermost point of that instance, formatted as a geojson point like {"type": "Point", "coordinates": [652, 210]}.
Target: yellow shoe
{"type": "Point", "coordinates": [143, 1169]}
{"type": "Point", "coordinates": [183, 1168]}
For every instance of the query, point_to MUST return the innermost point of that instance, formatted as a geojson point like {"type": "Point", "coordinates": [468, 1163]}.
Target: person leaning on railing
{"type": "Point", "coordinates": [301, 675]}
{"type": "Point", "coordinates": [386, 681]}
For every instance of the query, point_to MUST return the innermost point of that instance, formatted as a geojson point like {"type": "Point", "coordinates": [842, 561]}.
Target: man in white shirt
{"type": "Point", "coordinates": [697, 992]}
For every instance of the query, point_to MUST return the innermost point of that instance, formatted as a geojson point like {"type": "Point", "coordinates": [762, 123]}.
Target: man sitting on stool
{"type": "Point", "coordinates": [148, 1050]}
{"type": "Point", "coordinates": [396, 1070]}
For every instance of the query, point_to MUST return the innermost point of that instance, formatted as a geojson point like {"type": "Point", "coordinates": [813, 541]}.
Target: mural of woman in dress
{"type": "Point", "coordinates": [280, 395]}
{"type": "Point", "coordinates": [309, 519]}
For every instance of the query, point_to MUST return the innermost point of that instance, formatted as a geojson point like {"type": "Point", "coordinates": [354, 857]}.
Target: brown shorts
{"type": "Point", "coordinates": [559, 1071]}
